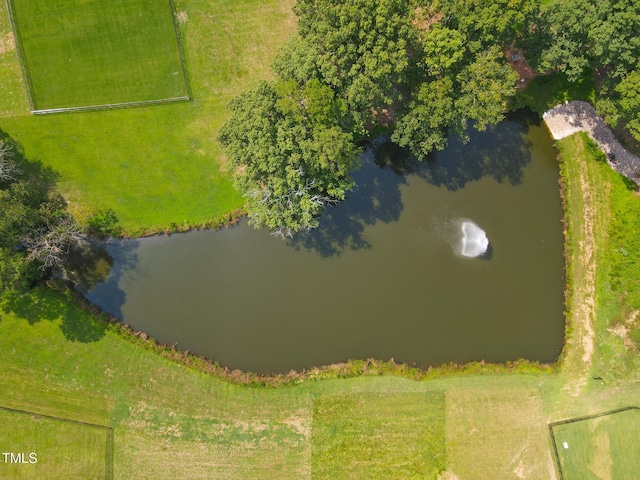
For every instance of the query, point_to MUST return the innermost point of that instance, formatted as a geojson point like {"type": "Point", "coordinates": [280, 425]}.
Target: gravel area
{"type": "Point", "coordinates": [569, 118]}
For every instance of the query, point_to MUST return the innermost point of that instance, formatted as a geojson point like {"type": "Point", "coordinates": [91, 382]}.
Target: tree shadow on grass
{"type": "Point", "coordinates": [45, 304]}
{"type": "Point", "coordinates": [95, 274]}
{"type": "Point", "coordinates": [33, 169]}
{"type": "Point", "coordinates": [375, 198]}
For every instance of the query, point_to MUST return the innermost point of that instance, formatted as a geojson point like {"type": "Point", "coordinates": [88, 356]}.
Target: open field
{"type": "Point", "coordinates": [600, 447]}
{"type": "Point", "coordinates": [79, 54]}
{"type": "Point", "coordinates": [357, 436]}
{"type": "Point", "coordinates": [157, 167]}
{"type": "Point", "coordinates": [53, 448]}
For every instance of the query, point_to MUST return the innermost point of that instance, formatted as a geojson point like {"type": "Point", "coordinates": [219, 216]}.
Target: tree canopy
{"type": "Point", "coordinates": [35, 229]}
{"type": "Point", "coordinates": [414, 69]}
{"type": "Point", "coordinates": [290, 157]}
{"type": "Point", "coordinates": [596, 34]}
{"type": "Point", "coordinates": [629, 101]}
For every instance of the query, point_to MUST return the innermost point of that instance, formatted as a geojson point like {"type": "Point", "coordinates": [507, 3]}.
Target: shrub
{"type": "Point", "coordinates": [103, 223]}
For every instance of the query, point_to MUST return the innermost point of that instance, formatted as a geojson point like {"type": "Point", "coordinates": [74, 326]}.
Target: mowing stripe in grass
{"type": "Point", "coordinates": [383, 435]}
{"type": "Point", "coordinates": [98, 54]}
{"type": "Point", "coordinates": [183, 60]}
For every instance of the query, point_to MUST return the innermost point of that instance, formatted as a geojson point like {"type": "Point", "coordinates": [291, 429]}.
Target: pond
{"type": "Point", "coordinates": [383, 276]}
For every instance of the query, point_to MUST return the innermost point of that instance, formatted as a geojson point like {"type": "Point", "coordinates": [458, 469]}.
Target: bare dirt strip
{"type": "Point", "coordinates": [583, 306]}
{"type": "Point", "coordinates": [564, 120]}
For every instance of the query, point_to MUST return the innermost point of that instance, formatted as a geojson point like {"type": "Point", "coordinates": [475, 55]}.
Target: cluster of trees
{"type": "Point", "coordinates": [418, 70]}
{"type": "Point", "coordinates": [35, 229]}
{"type": "Point", "coordinates": [579, 36]}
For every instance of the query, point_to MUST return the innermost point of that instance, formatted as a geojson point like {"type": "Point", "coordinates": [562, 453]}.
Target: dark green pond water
{"type": "Point", "coordinates": [381, 277]}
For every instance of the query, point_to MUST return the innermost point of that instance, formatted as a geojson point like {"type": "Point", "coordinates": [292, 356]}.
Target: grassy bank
{"type": "Point", "coordinates": [170, 420]}
{"type": "Point", "coordinates": [598, 194]}
{"type": "Point", "coordinates": [157, 167]}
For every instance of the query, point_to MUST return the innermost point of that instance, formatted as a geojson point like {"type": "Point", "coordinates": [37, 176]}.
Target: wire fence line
{"type": "Point", "coordinates": [108, 431]}
{"type": "Point", "coordinates": [578, 419]}
{"type": "Point", "coordinates": [183, 60]}
{"type": "Point", "coordinates": [555, 453]}
{"type": "Point", "coordinates": [22, 58]}
{"type": "Point", "coordinates": [31, 97]}
{"type": "Point", "coordinates": [111, 106]}
{"type": "Point", "coordinates": [589, 417]}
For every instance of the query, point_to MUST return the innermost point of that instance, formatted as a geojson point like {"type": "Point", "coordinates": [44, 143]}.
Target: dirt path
{"type": "Point", "coordinates": [583, 305]}
{"type": "Point", "coordinates": [569, 118]}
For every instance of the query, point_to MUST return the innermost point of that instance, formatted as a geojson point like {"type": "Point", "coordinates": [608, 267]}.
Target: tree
{"type": "Point", "coordinates": [49, 243]}
{"type": "Point", "coordinates": [291, 158]}
{"type": "Point", "coordinates": [569, 23]}
{"type": "Point", "coordinates": [613, 39]}
{"type": "Point", "coordinates": [485, 86]}
{"type": "Point", "coordinates": [426, 126]}
{"type": "Point", "coordinates": [296, 60]}
{"type": "Point", "coordinates": [629, 102]}
{"type": "Point", "coordinates": [35, 230]}
{"type": "Point", "coordinates": [9, 169]}
{"type": "Point", "coordinates": [584, 34]}
{"type": "Point", "coordinates": [19, 204]}
{"type": "Point", "coordinates": [443, 48]}
{"type": "Point", "coordinates": [367, 39]}
{"type": "Point", "coordinates": [488, 23]}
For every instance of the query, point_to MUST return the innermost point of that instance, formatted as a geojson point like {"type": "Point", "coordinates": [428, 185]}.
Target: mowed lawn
{"type": "Point", "coordinates": [158, 167]}
{"type": "Point", "coordinates": [603, 447]}
{"type": "Point", "coordinates": [374, 435]}
{"type": "Point", "coordinates": [97, 52]}
{"type": "Point", "coordinates": [52, 448]}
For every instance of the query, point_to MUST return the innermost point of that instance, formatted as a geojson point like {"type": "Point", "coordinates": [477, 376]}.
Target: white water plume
{"type": "Point", "coordinates": [474, 240]}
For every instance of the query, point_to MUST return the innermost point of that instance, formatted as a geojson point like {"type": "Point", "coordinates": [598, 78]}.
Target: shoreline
{"type": "Point", "coordinates": [348, 369]}
{"type": "Point", "coordinates": [352, 367]}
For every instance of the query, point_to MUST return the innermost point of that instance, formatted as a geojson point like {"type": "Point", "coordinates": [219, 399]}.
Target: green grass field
{"type": "Point", "coordinates": [378, 436]}
{"type": "Point", "coordinates": [61, 449]}
{"type": "Point", "coordinates": [600, 448]}
{"type": "Point", "coordinates": [157, 167]}
{"type": "Point", "coordinates": [99, 52]}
